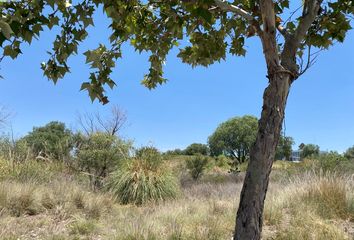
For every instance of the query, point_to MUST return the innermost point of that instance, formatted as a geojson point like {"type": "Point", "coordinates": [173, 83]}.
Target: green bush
{"type": "Point", "coordinates": [196, 166]}
{"type": "Point", "coordinates": [143, 179]}
{"type": "Point", "coordinates": [331, 161]}
{"type": "Point", "coordinates": [328, 162]}
{"type": "Point", "coordinates": [150, 156]}
{"type": "Point", "coordinates": [349, 154]}
{"type": "Point", "coordinates": [222, 161]}
{"type": "Point", "coordinates": [99, 154]}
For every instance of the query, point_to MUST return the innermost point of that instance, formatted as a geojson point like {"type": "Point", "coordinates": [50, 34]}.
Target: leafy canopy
{"type": "Point", "coordinates": [197, 148]}
{"type": "Point", "coordinates": [234, 138]}
{"type": "Point", "coordinates": [212, 28]}
{"type": "Point", "coordinates": [284, 147]}
{"type": "Point", "coordinates": [99, 154]}
{"type": "Point", "coordinates": [309, 150]}
{"type": "Point", "coordinates": [349, 153]}
{"type": "Point", "coordinates": [52, 141]}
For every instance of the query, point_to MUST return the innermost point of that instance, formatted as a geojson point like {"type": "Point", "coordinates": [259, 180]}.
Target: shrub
{"type": "Point", "coordinates": [331, 161]}
{"type": "Point", "coordinates": [349, 154]}
{"type": "Point", "coordinates": [99, 154]}
{"type": "Point", "coordinates": [328, 162]}
{"type": "Point", "coordinates": [150, 156]}
{"type": "Point", "coordinates": [196, 166]}
{"type": "Point", "coordinates": [222, 161]}
{"type": "Point", "coordinates": [143, 179]}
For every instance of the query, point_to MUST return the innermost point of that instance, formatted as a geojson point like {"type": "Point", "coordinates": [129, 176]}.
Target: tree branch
{"type": "Point", "coordinates": [308, 16]}
{"type": "Point", "coordinates": [293, 41]}
{"type": "Point", "coordinates": [282, 31]}
{"type": "Point", "coordinates": [226, 6]}
{"type": "Point", "coordinates": [268, 35]}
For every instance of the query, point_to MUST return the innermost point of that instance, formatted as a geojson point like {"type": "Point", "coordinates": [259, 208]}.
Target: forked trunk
{"type": "Point", "coordinates": [250, 212]}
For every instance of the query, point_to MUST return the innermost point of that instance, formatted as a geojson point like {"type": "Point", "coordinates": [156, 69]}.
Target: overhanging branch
{"type": "Point", "coordinates": [226, 6]}
{"type": "Point", "coordinates": [309, 14]}
{"type": "Point", "coordinates": [293, 41]}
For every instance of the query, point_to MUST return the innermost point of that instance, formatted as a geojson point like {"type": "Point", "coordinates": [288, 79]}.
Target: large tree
{"type": "Point", "coordinates": [213, 28]}
{"type": "Point", "coordinates": [234, 138]}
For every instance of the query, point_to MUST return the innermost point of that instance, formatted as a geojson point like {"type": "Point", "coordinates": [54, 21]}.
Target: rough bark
{"type": "Point", "coordinates": [282, 71]}
{"type": "Point", "coordinates": [250, 212]}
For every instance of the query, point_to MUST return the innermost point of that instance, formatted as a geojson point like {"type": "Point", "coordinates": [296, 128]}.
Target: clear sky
{"type": "Point", "coordinates": [190, 106]}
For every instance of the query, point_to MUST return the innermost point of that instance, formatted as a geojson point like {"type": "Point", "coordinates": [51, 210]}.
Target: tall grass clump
{"type": "Point", "coordinates": [143, 179]}
{"type": "Point", "coordinates": [196, 166]}
{"type": "Point", "coordinates": [328, 196]}
{"type": "Point", "coordinates": [308, 226]}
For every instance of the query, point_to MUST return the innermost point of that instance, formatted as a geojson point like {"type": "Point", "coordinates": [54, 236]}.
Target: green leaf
{"type": "Point", "coordinates": [205, 14]}
{"type": "Point", "coordinates": [85, 85]}
{"type": "Point", "coordinates": [6, 29]}
{"type": "Point", "coordinates": [12, 52]}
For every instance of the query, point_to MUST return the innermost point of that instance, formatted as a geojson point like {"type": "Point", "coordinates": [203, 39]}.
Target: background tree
{"type": "Point", "coordinates": [234, 138]}
{"type": "Point", "coordinates": [349, 154]}
{"type": "Point", "coordinates": [197, 148]}
{"type": "Point", "coordinates": [91, 123]}
{"type": "Point", "coordinates": [284, 148]}
{"type": "Point", "coordinates": [176, 151]}
{"type": "Point", "coordinates": [52, 141]}
{"type": "Point", "coordinates": [213, 28]}
{"type": "Point", "coordinates": [310, 150]}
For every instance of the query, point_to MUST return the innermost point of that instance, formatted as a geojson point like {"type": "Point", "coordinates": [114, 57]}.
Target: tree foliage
{"type": "Point", "coordinates": [53, 141]}
{"type": "Point", "coordinates": [197, 148]}
{"type": "Point", "coordinates": [234, 138]}
{"type": "Point", "coordinates": [206, 31]}
{"type": "Point", "coordinates": [349, 153]}
{"type": "Point", "coordinates": [284, 148]}
{"type": "Point", "coordinates": [310, 150]}
{"type": "Point", "coordinates": [99, 154]}
{"type": "Point", "coordinates": [156, 27]}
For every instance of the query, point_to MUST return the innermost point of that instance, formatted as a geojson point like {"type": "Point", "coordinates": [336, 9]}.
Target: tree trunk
{"type": "Point", "coordinates": [250, 212]}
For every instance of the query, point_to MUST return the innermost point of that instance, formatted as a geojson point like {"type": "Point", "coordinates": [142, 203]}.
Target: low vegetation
{"type": "Point", "coordinates": [302, 204]}
{"type": "Point", "coordinates": [196, 166]}
{"type": "Point", "coordinates": [57, 184]}
{"type": "Point", "coordinates": [143, 179]}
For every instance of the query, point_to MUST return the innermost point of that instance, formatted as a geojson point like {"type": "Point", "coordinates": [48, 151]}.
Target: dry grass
{"type": "Point", "coordinates": [307, 206]}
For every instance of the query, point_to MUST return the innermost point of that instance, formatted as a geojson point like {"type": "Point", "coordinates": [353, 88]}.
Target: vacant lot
{"type": "Point", "coordinates": [50, 201]}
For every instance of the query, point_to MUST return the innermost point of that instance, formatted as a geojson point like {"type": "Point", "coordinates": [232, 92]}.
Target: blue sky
{"type": "Point", "coordinates": [190, 106]}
